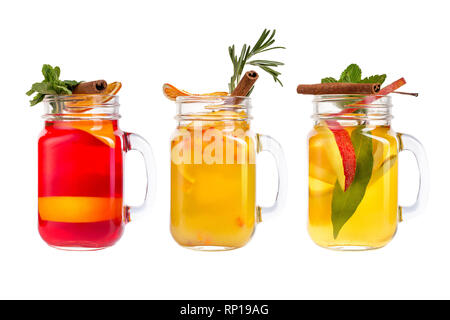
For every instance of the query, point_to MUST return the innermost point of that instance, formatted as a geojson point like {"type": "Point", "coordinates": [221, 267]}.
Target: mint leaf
{"type": "Point", "coordinates": [37, 99]}
{"type": "Point", "coordinates": [374, 79]}
{"type": "Point", "coordinates": [351, 74]}
{"type": "Point", "coordinates": [51, 85]}
{"type": "Point", "coordinates": [71, 84]}
{"type": "Point", "coordinates": [345, 203]}
{"type": "Point", "coordinates": [60, 88]}
{"type": "Point", "coordinates": [329, 80]}
{"type": "Point", "coordinates": [43, 87]}
{"type": "Point", "coordinates": [50, 74]}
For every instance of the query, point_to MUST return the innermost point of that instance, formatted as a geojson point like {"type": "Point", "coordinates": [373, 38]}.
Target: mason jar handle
{"type": "Point", "coordinates": [267, 143]}
{"type": "Point", "coordinates": [137, 143]}
{"type": "Point", "coordinates": [410, 143]}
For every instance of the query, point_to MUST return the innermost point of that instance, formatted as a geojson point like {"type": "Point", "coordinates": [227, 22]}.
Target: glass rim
{"type": "Point", "coordinates": [201, 108]}
{"type": "Point", "coordinates": [378, 99]}
{"type": "Point", "coordinates": [208, 99]}
{"type": "Point", "coordinates": [84, 100]}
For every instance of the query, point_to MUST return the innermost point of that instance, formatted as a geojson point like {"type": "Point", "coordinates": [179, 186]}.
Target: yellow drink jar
{"type": "Point", "coordinates": [213, 173]}
{"type": "Point", "coordinates": [363, 214]}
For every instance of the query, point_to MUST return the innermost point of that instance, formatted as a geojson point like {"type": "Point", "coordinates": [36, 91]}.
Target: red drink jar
{"type": "Point", "coordinates": [81, 157]}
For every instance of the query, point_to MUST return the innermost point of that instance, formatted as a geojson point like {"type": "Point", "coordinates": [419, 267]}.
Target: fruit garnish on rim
{"type": "Point", "coordinates": [52, 85]}
{"type": "Point", "coordinates": [85, 94]}
{"type": "Point", "coordinates": [87, 99]}
{"type": "Point", "coordinates": [171, 92]}
{"type": "Point", "coordinates": [238, 86]}
{"type": "Point", "coordinates": [354, 143]}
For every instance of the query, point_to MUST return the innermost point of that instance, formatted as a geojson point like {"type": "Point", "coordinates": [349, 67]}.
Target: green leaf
{"type": "Point", "coordinates": [61, 89]}
{"type": "Point", "coordinates": [269, 63]}
{"type": "Point", "coordinates": [263, 44]}
{"type": "Point", "coordinates": [72, 83]}
{"type": "Point", "coordinates": [37, 99]}
{"type": "Point", "coordinates": [250, 91]}
{"type": "Point", "coordinates": [272, 48]}
{"type": "Point", "coordinates": [50, 74]}
{"type": "Point", "coordinates": [345, 203]}
{"type": "Point", "coordinates": [43, 87]}
{"type": "Point", "coordinates": [57, 72]}
{"type": "Point", "coordinates": [351, 74]}
{"type": "Point", "coordinates": [374, 79]}
{"type": "Point", "coordinates": [51, 85]}
{"type": "Point", "coordinates": [329, 80]}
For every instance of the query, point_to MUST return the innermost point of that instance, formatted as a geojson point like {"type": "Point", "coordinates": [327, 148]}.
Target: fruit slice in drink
{"type": "Point", "coordinates": [325, 160]}
{"type": "Point", "coordinates": [343, 139]}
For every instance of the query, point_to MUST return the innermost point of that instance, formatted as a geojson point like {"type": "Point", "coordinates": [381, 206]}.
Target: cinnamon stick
{"type": "Point", "coordinates": [246, 84]}
{"type": "Point", "coordinates": [339, 88]}
{"type": "Point", "coordinates": [91, 87]}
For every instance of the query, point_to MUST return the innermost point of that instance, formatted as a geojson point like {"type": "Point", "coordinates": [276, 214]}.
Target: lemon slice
{"type": "Point", "coordinates": [318, 187]}
{"type": "Point", "coordinates": [325, 158]}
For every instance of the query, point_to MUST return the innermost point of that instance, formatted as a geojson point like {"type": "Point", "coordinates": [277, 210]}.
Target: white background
{"type": "Point", "coordinates": [146, 43]}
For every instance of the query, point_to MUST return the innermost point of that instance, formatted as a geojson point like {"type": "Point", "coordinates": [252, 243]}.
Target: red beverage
{"type": "Point", "coordinates": [81, 183]}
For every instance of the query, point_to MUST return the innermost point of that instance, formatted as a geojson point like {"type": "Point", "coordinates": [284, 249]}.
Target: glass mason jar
{"type": "Point", "coordinates": [213, 173]}
{"type": "Point", "coordinates": [353, 173]}
{"type": "Point", "coordinates": [81, 157]}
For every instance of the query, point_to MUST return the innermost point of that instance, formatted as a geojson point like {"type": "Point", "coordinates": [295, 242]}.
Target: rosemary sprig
{"type": "Point", "coordinates": [264, 44]}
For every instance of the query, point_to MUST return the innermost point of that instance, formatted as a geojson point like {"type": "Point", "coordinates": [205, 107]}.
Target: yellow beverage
{"type": "Point", "coordinates": [213, 195]}
{"type": "Point", "coordinates": [374, 222]}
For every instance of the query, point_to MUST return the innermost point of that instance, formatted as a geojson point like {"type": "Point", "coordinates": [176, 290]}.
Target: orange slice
{"type": "Point", "coordinates": [171, 92]}
{"type": "Point", "coordinates": [112, 89]}
{"type": "Point", "coordinates": [91, 99]}
{"type": "Point", "coordinates": [101, 129]}
{"type": "Point", "coordinates": [79, 209]}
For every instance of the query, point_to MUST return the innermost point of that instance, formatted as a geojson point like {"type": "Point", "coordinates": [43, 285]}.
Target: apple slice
{"type": "Point", "coordinates": [344, 143]}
